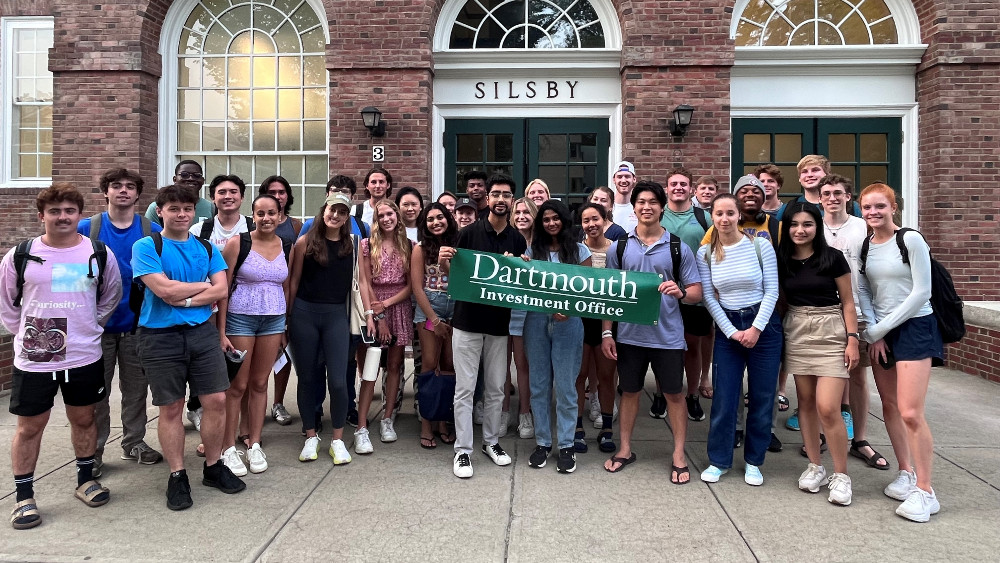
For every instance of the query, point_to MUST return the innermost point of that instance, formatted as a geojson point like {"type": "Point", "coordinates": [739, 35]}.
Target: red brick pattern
{"type": "Point", "coordinates": [6, 361]}
{"type": "Point", "coordinates": [978, 353]}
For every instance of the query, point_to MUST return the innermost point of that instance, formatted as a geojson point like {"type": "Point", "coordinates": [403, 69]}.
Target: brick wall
{"type": "Point", "coordinates": [978, 353]}
{"type": "Point", "coordinates": [959, 125]}
{"type": "Point", "coordinates": [6, 359]}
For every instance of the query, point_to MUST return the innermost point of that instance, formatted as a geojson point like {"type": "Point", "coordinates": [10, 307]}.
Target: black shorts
{"type": "Point", "coordinates": [697, 320]}
{"type": "Point", "coordinates": [176, 357]}
{"type": "Point", "coordinates": [917, 339]}
{"type": "Point", "coordinates": [34, 393]}
{"type": "Point", "coordinates": [592, 331]}
{"type": "Point", "coordinates": [633, 361]}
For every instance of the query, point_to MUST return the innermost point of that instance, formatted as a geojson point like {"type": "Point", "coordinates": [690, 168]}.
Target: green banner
{"type": "Point", "coordinates": [550, 287]}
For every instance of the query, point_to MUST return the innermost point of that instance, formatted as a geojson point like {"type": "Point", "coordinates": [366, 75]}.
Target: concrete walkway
{"type": "Point", "coordinates": [403, 504]}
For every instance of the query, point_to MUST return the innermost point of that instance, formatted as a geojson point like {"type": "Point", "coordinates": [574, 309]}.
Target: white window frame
{"type": "Point", "coordinates": [8, 27]}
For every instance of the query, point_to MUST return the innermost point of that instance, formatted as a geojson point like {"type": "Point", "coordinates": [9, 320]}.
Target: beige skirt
{"type": "Point", "coordinates": [815, 339]}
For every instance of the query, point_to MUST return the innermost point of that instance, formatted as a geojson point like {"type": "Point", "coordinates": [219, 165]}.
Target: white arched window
{"type": "Point", "coordinates": [250, 93]}
{"type": "Point", "coordinates": [532, 24]}
{"type": "Point", "coordinates": [791, 23]}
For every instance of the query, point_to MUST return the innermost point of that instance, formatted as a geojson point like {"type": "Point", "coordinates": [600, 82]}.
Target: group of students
{"type": "Point", "coordinates": [749, 289]}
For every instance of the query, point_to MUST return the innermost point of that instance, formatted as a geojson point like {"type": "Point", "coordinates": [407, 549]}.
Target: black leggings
{"type": "Point", "coordinates": [319, 336]}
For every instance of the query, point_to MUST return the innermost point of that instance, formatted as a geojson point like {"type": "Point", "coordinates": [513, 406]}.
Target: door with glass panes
{"type": "Point", "coordinates": [570, 155]}
{"type": "Point", "coordinates": [865, 150]}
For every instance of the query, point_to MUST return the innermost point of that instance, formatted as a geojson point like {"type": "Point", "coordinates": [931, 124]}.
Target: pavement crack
{"type": "Point", "coordinates": [510, 509]}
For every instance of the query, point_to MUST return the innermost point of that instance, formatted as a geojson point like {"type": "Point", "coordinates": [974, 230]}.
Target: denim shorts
{"type": "Point", "coordinates": [442, 305]}
{"type": "Point", "coordinates": [516, 326]}
{"type": "Point", "coordinates": [238, 324]}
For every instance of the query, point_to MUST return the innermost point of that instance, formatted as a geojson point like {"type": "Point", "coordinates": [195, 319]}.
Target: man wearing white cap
{"type": "Point", "coordinates": [624, 180]}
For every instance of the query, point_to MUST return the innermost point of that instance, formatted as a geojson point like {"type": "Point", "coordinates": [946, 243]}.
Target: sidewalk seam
{"type": "Point", "coordinates": [510, 506]}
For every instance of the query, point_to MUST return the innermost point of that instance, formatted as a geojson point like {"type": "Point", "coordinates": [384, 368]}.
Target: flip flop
{"type": "Point", "coordinates": [446, 438]}
{"type": "Point", "coordinates": [624, 461]}
{"type": "Point", "coordinates": [783, 404]}
{"type": "Point", "coordinates": [871, 461]}
{"type": "Point", "coordinates": [93, 494]}
{"type": "Point", "coordinates": [430, 443]}
{"type": "Point", "coordinates": [706, 391]}
{"type": "Point", "coordinates": [200, 450]}
{"type": "Point", "coordinates": [680, 471]}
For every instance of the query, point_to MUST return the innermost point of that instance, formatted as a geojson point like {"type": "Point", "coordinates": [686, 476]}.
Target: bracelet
{"type": "Point", "coordinates": [436, 321]}
{"type": "Point", "coordinates": [187, 302]}
{"type": "Point", "coordinates": [684, 293]}
{"type": "Point", "coordinates": [607, 334]}
{"type": "Point", "coordinates": [369, 312]}
{"type": "Point", "coordinates": [380, 316]}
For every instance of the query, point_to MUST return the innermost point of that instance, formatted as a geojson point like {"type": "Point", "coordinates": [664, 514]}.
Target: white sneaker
{"type": "Point", "coordinates": [712, 474]}
{"type": "Point", "coordinates": [386, 432]}
{"type": "Point", "coordinates": [753, 476]}
{"type": "Point", "coordinates": [901, 488]}
{"type": "Point", "coordinates": [477, 413]}
{"type": "Point", "coordinates": [919, 506]}
{"type": "Point", "coordinates": [339, 453]}
{"type": "Point", "coordinates": [595, 409]}
{"type": "Point", "coordinates": [195, 418]}
{"type": "Point", "coordinates": [257, 459]}
{"type": "Point", "coordinates": [496, 453]}
{"type": "Point", "coordinates": [309, 451]}
{"type": "Point", "coordinates": [840, 489]}
{"type": "Point", "coordinates": [813, 478]}
{"type": "Point", "coordinates": [362, 444]}
{"type": "Point", "coordinates": [504, 423]}
{"type": "Point", "coordinates": [526, 426]}
{"type": "Point", "coordinates": [231, 458]}
{"type": "Point", "coordinates": [462, 466]}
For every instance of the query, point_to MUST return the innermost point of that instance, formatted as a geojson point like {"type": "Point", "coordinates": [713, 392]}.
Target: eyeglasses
{"type": "Point", "coordinates": [335, 190]}
{"type": "Point", "coordinates": [835, 195]}
{"type": "Point", "coordinates": [502, 195]}
{"type": "Point", "coordinates": [190, 176]}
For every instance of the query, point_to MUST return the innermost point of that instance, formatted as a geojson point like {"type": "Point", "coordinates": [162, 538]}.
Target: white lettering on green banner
{"type": "Point", "coordinates": [551, 287]}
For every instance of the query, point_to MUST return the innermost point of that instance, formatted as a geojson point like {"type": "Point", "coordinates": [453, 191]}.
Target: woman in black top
{"type": "Point", "coordinates": [821, 341]}
{"type": "Point", "coordinates": [322, 271]}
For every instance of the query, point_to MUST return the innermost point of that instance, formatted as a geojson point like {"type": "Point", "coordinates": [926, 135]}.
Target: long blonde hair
{"type": "Point", "coordinates": [398, 239]}
{"type": "Point", "coordinates": [714, 245]}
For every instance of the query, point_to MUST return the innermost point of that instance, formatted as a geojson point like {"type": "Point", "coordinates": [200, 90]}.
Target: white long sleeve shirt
{"type": "Point", "coordinates": [892, 292]}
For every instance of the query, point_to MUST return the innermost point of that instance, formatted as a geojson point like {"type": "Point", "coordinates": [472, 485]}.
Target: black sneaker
{"type": "Point", "coordinates": [220, 477]}
{"type": "Point", "coordinates": [567, 461]}
{"type": "Point", "coordinates": [539, 457]}
{"type": "Point", "coordinates": [775, 445]}
{"type": "Point", "coordinates": [659, 408]}
{"type": "Point", "coordinates": [178, 492]}
{"type": "Point", "coordinates": [738, 439]}
{"type": "Point", "coordinates": [352, 418]}
{"type": "Point", "coordinates": [695, 411]}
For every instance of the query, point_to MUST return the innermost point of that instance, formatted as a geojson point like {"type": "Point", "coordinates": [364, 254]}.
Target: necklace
{"type": "Point", "coordinates": [834, 230]}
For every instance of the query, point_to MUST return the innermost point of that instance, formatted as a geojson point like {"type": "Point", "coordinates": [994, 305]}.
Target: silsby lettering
{"type": "Point", "coordinates": [530, 91]}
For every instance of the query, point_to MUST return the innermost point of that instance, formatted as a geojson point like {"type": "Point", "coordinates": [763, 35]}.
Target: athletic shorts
{"type": "Point", "coordinates": [917, 339]}
{"type": "Point", "coordinates": [181, 356]}
{"type": "Point", "coordinates": [592, 329]}
{"type": "Point", "coordinates": [238, 324]}
{"type": "Point", "coordinates": [33, 393]}
{"type": "Point", "coordinates": [634, 361]}
{"type": "Point", "coordinates": [697, 320]}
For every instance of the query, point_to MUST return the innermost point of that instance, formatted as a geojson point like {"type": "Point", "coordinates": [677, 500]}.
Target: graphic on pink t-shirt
{"type": "Point", "coordinates": [44, 339]}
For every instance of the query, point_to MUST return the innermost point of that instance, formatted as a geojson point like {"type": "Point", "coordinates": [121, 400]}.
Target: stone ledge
{"type": "Point", "coordinates": [985, 314]}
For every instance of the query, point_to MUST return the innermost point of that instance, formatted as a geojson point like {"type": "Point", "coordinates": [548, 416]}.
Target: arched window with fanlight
{"type": "Point", "coordinates": [251, 93]}
{"type": "Point", "coordinates": [531, 24]}
{"type": "Point", "coordinates": [779, 23]}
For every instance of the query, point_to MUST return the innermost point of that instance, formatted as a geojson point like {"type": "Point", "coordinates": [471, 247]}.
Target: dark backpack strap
{"type": "Point", "coordinates": [359, 211]}
{"type": "Point", "coordinates": [95, 225]}
{"type": "Point", "coordinates": [22, 254]}
{"type": "Point", "coordinates": [101, 254]}
{"type": "Point", "coordinates": [675, 258]}
{"type": "Point", "coordinates": [773, 226]}
{"type": "Point", "coordinates": [864, 253]}
{"type": "Point", "coordinates": [620, 251]}
{"type": "Point", "coordinates": [206, 228]}
{"type": "Point", "coordinates": [362, 228]}
{"type": "Point", "coordinates": [245, 244]}
{"type": "Point", "coordinates": [250, 224]}
{"type": "Point", "coordinates": [699, 214]}
{"type": "Point", "coordinates": [158, 243]}
{"type": "Point", "coordinates": [903, 251]}
{"type": "Point", "coordinates": [147, 225]}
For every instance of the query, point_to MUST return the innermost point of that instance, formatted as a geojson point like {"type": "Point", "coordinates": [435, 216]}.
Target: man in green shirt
{"type": "Point", "coordinates": [187, 173]}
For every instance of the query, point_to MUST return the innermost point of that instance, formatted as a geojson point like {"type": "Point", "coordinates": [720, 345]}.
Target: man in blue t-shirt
{"type": "Point", "coordinates": [177, 345]}
{"type": "Point", "coordinates": [119, 228]}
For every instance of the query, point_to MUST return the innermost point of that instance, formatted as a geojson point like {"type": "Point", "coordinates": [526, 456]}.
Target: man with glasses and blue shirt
{"type": "Point", "coordinates": [481, 331]}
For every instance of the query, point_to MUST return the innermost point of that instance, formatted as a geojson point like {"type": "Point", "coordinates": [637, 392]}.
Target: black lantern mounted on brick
{"type": "Point", "coordinates": [682, 119]}
{"type": "Point", "coordinates": [373, 121]}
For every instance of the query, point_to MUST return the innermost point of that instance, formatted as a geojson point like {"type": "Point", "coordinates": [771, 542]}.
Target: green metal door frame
{"type": "Point", "coordinates": [455, 127]}
{"type": "Point", "coordinates": [804, 126]}
{"type": "Point", "coordinates": [891, 126]}
{"type": "Point", "coordinates": [548, 126]}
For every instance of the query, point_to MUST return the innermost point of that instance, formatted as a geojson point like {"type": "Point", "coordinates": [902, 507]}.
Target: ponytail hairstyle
{"type": "Point", "coordinates": [398, 238]}
{"type": "Point", "coordinates": [569, 252]}
{"type": "Point", "coordinates": [715, 245]}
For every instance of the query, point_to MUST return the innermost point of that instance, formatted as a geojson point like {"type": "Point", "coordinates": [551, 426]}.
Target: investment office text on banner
{"type": "Point", "coordinates": [550, 287]}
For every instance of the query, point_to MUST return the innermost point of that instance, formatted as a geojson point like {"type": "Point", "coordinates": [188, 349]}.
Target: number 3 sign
{"type": "Point", "coordinates": [378, 153]}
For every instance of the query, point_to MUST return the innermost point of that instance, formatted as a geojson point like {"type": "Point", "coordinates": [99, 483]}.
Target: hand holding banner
{"type": "Point", "coordinates": [551, 287]}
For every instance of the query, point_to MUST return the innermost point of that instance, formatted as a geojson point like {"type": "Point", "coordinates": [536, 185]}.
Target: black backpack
{"type": "Point", "coordinates": [945, 301]}
{"type": "Point", "coordinates": [675, 256]}
{"type": "Point", "coordinates": [209, 225]}
{"type": "Point", "coordinates": [22, 255]}
{"type": "Point", "coordinates": [137, 293]}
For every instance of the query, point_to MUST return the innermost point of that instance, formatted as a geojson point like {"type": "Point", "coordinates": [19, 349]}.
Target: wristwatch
{"type": "Point", "coordinates": [854, 334]}
{"type": "Point", "coordinates": [684, 293]}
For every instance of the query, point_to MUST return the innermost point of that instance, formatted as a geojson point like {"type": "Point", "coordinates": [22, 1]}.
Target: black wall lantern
{"type": "Point", "coordinates": [681, 120]}
{"type": "Point", "coordinates": [373, 121]}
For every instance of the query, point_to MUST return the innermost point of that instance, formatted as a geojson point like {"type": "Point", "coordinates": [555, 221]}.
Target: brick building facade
{"type": "Point", "coordinates": [933, 75]}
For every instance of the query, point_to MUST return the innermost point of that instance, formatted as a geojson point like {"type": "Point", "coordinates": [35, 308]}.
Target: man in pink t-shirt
{"type": "Point", "coordinates": [57, 318]}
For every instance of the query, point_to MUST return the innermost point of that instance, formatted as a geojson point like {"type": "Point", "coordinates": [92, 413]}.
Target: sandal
{"type": "Point", "coordinates": [872, 460]}
{"type": "Point", "coordinates": [430, 443]}
{"type": "Point", "coordinates": [93, 494]}
{"type": "Point", "coordinates": [448, 438]}
{"type": "Point", "coordinates": [822, 447]}
{"type": "Point", "coordinates": [783, 404]}
{"type": "Point", "coordinates": [706, 391]}
{"type": "Point", "coordinates": [245, 438]}
{"type": "Point", "coordinates": [25, 515]}
{"type": "Point", "coordinates": [579, 441]}
{"type": "Point", "coordinates": [679, 471]}
{"type": "Point", "coordinates": [622, 461]}
{"type": "Point", "coordinates": [605, 442]}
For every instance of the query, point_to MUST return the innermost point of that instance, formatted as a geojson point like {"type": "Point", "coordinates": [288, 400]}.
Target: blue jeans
{"type": "Point", "coordinates": [761, 363]}
{"type": "Point", "coordinates": [555, 351]}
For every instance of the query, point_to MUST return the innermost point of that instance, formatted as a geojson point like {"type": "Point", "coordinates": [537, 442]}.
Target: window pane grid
{"type": "Point", "coordinates": [527, 24]}
{"type": "Point", "coordinates": [777, 23]}
{"type": "Point", "coordinates": [31, 101]}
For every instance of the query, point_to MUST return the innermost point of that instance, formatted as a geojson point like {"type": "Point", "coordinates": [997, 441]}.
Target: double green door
{"type": "Point", "coordinates": [570, 155]}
